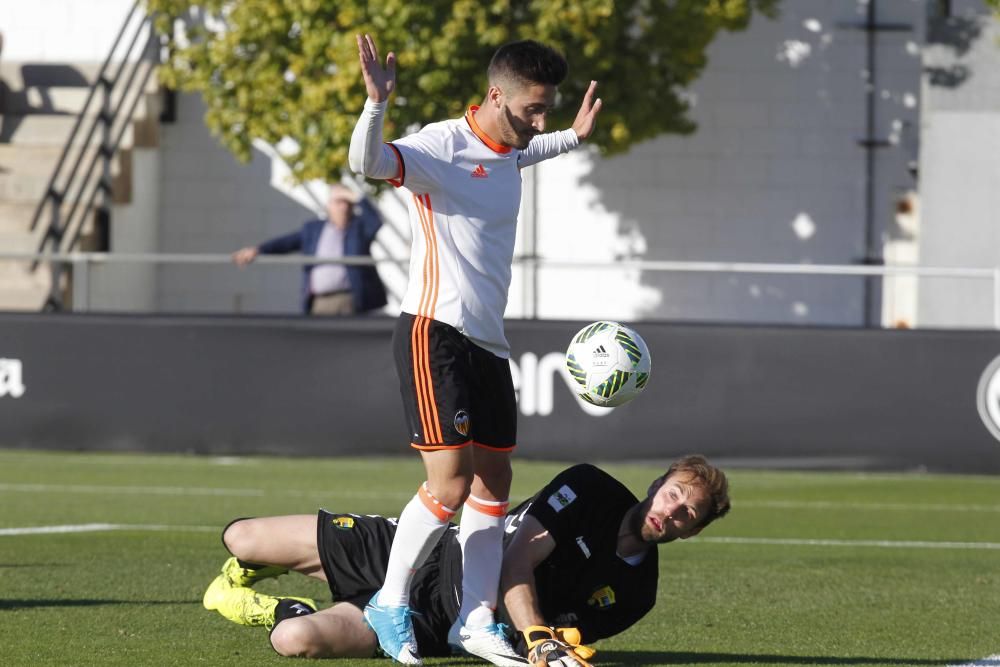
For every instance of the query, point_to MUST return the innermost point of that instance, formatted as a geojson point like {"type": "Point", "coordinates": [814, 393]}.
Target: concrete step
{"type": "Point", "coordinates": [21, 289]}
{"type": "Point", "coordinates": [59, 101]}
{"type": "Point", "coordinates": [15, 223]}
{"type": "Point", "coordinates": [52, 130]}
{"type": "Point", "coordinates": [27, 299]}
{"type": "Point", "coordinates": [16, 75]}
{"type": "Point", "coordinates": [25, 170]}
{"type": "Point", "coordinates": [53, 100]}
{"type": "Point", "coordinates": [16, 156]}
{"type": "Point", "coordinates": [19, 75]}
{"type": "Point", "coordinates": [22, 188]}
{"type": "Point", "coordinates": [18, 242]}
{"type": "Point", "coordinates": [36, 129]}
{"type": "Point", "coordinates": [15, 218]}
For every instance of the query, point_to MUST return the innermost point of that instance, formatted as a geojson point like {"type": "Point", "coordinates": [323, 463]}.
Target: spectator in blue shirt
{"type": "Point", "coordinates": [347, 231]}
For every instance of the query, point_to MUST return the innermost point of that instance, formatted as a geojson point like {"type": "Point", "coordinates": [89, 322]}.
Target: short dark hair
{"type": "Point", "coordinates": [527, 62]}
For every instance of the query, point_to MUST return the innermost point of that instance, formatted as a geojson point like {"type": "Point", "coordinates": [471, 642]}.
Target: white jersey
{"type": "Point", "coordinates": [466, 192]}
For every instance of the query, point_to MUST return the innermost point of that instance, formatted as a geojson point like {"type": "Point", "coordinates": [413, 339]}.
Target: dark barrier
{"type": "Point", "coordinates": [744, 395]}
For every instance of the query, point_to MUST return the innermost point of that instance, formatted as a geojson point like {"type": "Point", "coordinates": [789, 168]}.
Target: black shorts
{"type": "Point", "coordinates": [454, 392]}
{"type": "Point", "coordinates": [354, 552]}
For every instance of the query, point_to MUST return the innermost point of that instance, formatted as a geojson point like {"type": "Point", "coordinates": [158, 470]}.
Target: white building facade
{"type": "Point", "coordinates": [820, 135]}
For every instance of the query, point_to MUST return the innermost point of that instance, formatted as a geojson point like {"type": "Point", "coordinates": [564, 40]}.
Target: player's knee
{"type": "Point", "coordinates": [454, 494]}
{"type": "Point", "coordinates": [494, 473]}
{"type": "Point", "coordinates": [238, 536]}
{"type": "Point", "coordinates": [293, 638]}
{"type": "Point", "coordinates": [498, 481]}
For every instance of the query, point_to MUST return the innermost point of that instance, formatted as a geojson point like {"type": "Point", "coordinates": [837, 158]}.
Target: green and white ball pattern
{"type": "Point", "coordinates": [609, 362]}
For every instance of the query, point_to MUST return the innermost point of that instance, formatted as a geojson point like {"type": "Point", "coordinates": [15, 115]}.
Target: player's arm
{"type": "Point", "coordinates": [531, 545]}
{"type": "Point", "coordinates": [368, 155]}
{"type": "Point", "coordinates": [551, 144]}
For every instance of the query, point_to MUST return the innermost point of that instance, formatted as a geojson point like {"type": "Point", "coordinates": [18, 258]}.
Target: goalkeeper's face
{"type": "Point", "coordinates": [674, 509]}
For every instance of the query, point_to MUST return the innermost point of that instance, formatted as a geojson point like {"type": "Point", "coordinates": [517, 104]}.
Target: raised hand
{"type": "Point", "coordinates": [379, 82]}
{"type": "Point", "coordinates": [586, 117]}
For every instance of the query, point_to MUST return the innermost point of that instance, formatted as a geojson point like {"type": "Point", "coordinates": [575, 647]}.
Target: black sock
{"type": "Point", "coordinates": [289, 608]}
{"type": "Point", "coordinates": [247, 565]}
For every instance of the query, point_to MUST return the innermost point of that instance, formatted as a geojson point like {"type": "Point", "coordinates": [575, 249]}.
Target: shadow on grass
{"type": "Point", "coordinates": [610, 658]}
{"type": "Point", "coordinates": [36, 604]}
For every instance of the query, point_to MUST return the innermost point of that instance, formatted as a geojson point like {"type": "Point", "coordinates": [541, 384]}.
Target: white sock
{"type": "Point", "coordinates": [420, 525]}
{"type": "Point", "coordinates": [480, 534]}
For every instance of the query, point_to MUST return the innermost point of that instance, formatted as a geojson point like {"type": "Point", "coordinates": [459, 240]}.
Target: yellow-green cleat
{"type": "Point", "coordinates": [244, 576]}
{"type": "Point", "coordinates": [246, 606]}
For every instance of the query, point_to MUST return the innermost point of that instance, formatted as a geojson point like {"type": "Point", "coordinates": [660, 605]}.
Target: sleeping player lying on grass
{"type": "Point", "coordinates": [580, 564]}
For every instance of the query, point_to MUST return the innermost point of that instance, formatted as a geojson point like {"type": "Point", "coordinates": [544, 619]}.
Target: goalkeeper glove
{"type": "Point", "coordinates": [546, 648]}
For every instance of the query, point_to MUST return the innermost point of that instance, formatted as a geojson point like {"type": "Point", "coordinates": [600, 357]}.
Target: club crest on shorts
{"type": "Point", "coordinates": [462, 422]}
{"type": "Point", "coordinates": [342, 522]}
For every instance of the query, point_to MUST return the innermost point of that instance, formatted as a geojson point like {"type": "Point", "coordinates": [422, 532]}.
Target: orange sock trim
{"type": "Point", "coordinates": [434, 505]}
{"type": "Point", "coordinates": [488, 507]}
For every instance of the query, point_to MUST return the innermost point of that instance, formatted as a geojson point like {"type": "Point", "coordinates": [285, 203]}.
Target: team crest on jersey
{"type": "Point", "coordinates": [342, 522]}
{"type": "Point", "coordinates": [602, 598]}
{"type": "Point", "coordinates": [561, 498]}
{"type": "Point", "coordinates": [462, 422]}
{"type": "Point", "coordinates": [479, 172]}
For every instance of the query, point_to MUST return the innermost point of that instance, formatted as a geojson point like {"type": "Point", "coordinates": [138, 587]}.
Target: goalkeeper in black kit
{"type": "Point", "coordinates": [579, 565]}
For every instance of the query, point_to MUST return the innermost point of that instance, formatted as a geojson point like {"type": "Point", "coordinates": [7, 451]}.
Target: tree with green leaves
{"type": "Point", "coordinates": [276, 69]}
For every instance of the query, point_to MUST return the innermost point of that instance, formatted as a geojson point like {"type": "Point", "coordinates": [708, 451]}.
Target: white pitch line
{"type": "Point", "coordinates": [101, 528]}
{"type": "Point", "coordinates": [990, 661]}
{"type": "Point", "coordinates": [388, 495]}
{"type": "Point", "coordinates": [201, 491]}
{"type": "Point", "coordinates": [887, 544]}
{"type": "Point", "coordinates": [899, 544]}
{"type": "Point", "coordinates": [144, 490]}
{"type": "Point", "coordinates": [906, 507]}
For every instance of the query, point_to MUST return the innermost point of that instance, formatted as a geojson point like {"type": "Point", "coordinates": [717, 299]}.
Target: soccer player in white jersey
{"type": "Point", "coordinates": [451, 353]}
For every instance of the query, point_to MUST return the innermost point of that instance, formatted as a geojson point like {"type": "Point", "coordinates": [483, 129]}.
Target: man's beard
{"type": "Point", "coordinates": [638, 521]}
{"type": "Point", "coordinates": [520, 136]}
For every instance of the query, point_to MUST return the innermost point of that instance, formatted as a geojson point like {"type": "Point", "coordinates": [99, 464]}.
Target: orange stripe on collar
{"type": "Point", "coordinates": [478, 131]}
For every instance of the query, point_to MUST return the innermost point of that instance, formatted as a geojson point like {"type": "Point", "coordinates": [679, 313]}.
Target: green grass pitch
{"type": "Point", "coordinates": [808, 569]}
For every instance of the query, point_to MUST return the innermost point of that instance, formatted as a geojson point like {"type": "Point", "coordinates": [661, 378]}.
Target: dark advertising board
{"type": "Point", "coordinates": [756, 396]}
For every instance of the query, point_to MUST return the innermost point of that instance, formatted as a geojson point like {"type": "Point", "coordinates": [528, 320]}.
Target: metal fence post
{"type": "Point", "coordinates": [996, 297]}
{"type": "Point", "coordinates": [81, 282]}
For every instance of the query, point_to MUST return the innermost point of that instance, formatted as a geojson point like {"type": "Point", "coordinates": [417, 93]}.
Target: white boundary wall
{"type": "Point", "coordinates": [60, 30]}
{"type": "Point", "coordinates": [773, 174]}
{"type": "Point", "coordinates": [960, 165]}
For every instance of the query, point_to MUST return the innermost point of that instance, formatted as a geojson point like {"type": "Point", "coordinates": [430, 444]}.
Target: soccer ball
{"type": "Point", "coordinates": [609, 362]}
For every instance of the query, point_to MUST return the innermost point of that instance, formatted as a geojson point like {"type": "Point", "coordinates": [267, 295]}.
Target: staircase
{"type": "Point", "coordinates": [43, 161]}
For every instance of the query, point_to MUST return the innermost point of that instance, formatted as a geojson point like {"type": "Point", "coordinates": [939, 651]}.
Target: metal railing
{"type": "Point", "coordinates": [84, 262]}
{"type": "Point", "coordinates": [84, 169]}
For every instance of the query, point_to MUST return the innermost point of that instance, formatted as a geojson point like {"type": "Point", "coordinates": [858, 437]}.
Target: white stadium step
{"type": "Point", "coordinates": [26, 75]}
{"type": "Point", "coordinates": [48, 100]}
